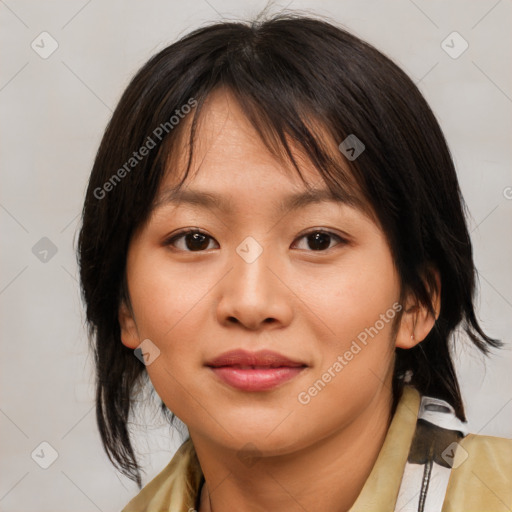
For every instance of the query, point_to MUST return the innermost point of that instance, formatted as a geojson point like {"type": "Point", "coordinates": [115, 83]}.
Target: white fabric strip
{"type": "Point", "coordinates": [409, 494]}
{"type": "Point", "coordinates": [442, 414]}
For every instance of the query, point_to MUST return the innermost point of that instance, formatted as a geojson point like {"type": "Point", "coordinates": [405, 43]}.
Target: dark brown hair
{"type": "Point", "coordinates": [285, 71]}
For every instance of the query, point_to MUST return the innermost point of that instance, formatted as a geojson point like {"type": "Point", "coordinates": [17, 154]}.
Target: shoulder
{"type": "Point", "coordinates": [481, 476]}
{"type": "Point", "coordinates": [453, 470]}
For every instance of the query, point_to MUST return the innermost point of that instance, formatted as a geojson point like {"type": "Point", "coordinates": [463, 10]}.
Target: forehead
{"type": "Point", "coordinates": [232, 160]}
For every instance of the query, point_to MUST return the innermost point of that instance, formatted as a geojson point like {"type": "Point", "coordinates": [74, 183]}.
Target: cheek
{"type": "Point", "coordinates": [165, 296]}
{"type": "Point", "coordinates": [359, 304]}
{"type": "Point", "coordinates": [169, 305]}
{"type": "Point", "coordinates": [360, 307]}
{"type": "Point", "coordinates": [355, 292]}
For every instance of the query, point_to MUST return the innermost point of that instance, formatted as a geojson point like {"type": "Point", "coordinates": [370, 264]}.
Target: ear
{"type": "Point", "coordinates": [129, 332]}
{"type": "Point", "coordinates": [417, 321]}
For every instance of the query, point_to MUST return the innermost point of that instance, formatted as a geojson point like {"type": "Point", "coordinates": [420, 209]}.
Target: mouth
{"type": "Point", "coordinates": [255, 371]}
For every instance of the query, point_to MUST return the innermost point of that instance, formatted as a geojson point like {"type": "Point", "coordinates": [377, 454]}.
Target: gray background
{"type": "Point", "coordinates": [53, 113]}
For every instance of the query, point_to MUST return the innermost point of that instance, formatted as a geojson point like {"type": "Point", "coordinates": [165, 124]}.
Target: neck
{"type": "Point", "coordinates": [327, 475]}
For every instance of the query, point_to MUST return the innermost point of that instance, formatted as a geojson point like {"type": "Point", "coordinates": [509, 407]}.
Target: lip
{"type": "Point", "coordinates": [255, 371]}
{"type": "Point", "coordinates": [261, 358]}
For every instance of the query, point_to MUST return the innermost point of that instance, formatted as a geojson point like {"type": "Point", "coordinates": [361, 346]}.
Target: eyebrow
{"type": "Point", "coordinates": [221, 203]}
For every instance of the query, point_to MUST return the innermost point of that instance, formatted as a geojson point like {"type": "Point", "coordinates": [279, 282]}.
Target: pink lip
{"type": "Point", "coordinates": [257, 379]}
{"type": "Point", "coordinates": [255, 371]}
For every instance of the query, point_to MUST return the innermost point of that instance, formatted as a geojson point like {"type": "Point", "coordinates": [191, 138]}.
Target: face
{"type": "Point", "coordinates": [315, 284]}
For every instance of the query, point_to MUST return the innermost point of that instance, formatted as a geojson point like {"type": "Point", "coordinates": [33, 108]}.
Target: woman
{"type": "Point", "coordinates": [274, 228]}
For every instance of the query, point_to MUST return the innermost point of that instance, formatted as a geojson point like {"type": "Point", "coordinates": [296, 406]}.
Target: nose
{"type": "Point", "coordinates": [254, 294]}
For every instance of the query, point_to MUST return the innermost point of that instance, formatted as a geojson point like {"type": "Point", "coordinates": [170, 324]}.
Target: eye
{"type": "Point", "coordinates": [320, 240]}
{"type": "Point", "coordinates": [194, 241]}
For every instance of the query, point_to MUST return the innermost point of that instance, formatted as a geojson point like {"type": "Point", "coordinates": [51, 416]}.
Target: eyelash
{"type": "Point", "coordinates": [170, 241]}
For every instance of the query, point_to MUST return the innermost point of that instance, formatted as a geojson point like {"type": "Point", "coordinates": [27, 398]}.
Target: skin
{"type": "Point", "coordinates": [304, 303]}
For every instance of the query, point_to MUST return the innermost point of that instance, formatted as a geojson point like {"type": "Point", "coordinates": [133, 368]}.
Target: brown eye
{"type": "Point", "coordinates": [320, 240]}
{"type": "Point", "coordinates": [193, 241]}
